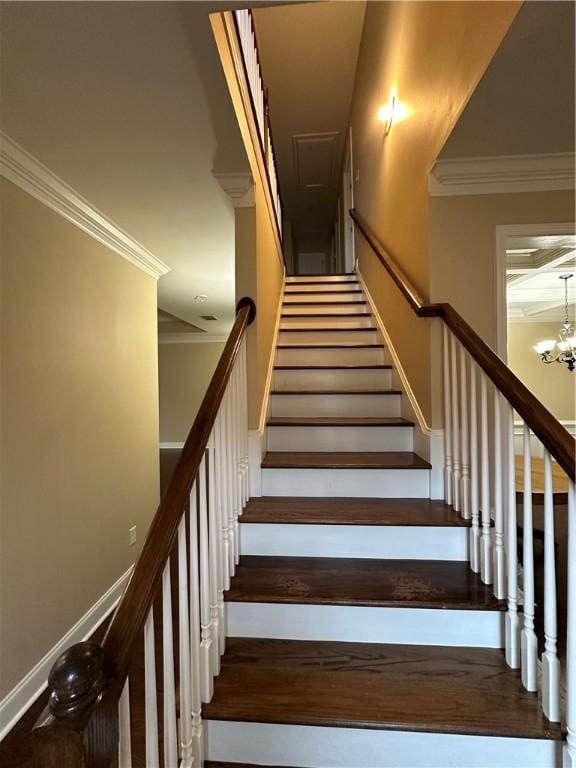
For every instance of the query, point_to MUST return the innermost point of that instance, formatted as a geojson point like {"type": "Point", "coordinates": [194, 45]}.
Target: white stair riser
{"type": "Point", "coordinates": [364, 483]}
{"type": "Point", "coordinates": [323, 297]}
{"type": "Point", "coordinates": [333, 378]}
{"type": "Point", "coordinates": [321, 279]}
{"type": "Point", "coordinates": [360, 624]}
{"type": "Point", "coordinates": [331, 356]}
{"type": "Point", "coordinates": [335, 405]}
{"type": "Point", "coordinates": [336, 438]}
{"type": "Point", "coordinates": [323, 287]}
{"type": "Point", "coordinates": [327, 747]}
{"type": "Point", "coordinates": [374, 542]}
{"type": "Point", "coordinates": [319, 322]}
{"type": "Point", "coordinates": [354, 336]}
{"type": "Point", "coordinates": [331, 309]}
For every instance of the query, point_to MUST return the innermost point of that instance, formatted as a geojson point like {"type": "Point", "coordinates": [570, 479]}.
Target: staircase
{"type": "Point", "coordinates": [358, 636]}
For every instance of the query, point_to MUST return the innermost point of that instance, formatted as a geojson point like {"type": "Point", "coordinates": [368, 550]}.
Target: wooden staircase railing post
{"type": "Point", "coordinates": [79, 727]}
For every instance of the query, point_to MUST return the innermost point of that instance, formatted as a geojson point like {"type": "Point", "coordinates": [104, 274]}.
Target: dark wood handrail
{"type": "Point", "coordinates": [130, 616]}
{"type": "Point", "coordinates": [545, 426]}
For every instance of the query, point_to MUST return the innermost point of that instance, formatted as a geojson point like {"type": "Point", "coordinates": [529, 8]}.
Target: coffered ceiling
{"type": "Point", "coordinates": [309, 53]}
{"type": "Point", "coordinates": [534, 265]}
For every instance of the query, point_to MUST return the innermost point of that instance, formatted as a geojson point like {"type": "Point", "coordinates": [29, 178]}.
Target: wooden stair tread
{"type": "Point", "coordinates": [328, 329]}
{"type": "Point", "coordinates": [306, 293]}
{"type": "Point", "coordinates": [334, 367]}
{"type": "Point", "coordinates": [315, 302]}
{"type": "Point", "coordinates": [361, 582]}
{"type": "Point", "coordinates": [366, 685]}
{"type": "Point", "coordinates": [333, 345]}
{"type": "Point", "coordinates": [308, 392]}
{"type": "Point", "coordinates": [343, 460]}
{"type": "Point", "coordinates": [350, 511]}
{"type": "Point", "coordinates": [326, 314]}
{"type": "Point", "coordinates": [338, 421]}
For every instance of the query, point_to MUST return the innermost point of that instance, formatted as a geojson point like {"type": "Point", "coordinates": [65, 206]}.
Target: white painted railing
{"type": "Point", "coordinates": [485, 434]}
{"type": "Point", "coordinates": [205, 558]}
{"type": "Point", "coordinates": [249, 47]}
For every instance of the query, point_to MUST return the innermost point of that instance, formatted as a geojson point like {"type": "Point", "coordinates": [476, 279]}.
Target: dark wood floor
{"type": "Point", "coordinates": [364, 685]}
{"type": "Point", "coordinates": [361, 582]}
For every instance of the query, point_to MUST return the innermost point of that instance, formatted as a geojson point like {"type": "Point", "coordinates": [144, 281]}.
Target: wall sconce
{"type": "Point", "coordinates": [393, 112]}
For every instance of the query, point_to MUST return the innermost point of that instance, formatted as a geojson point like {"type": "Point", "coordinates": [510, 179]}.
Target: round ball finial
{"type": "Point", "coordinates": [76, 680]}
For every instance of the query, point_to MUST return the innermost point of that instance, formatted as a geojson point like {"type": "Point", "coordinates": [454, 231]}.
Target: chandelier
{"type": "Point", "coordinates": [562, 350]}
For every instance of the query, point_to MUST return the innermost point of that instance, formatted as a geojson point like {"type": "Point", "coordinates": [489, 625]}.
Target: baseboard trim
{"type": "Point", "coordinates": [396, 361]}
{"type": "Point", "coordinates": [20, 698]}
{"type": "Point", "coordinates": [266, 400]}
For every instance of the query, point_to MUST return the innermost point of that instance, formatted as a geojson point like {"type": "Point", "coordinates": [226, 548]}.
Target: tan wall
{"type": "Point", "coordinates": [184, 372]}
{"type": "Point", "coordinates": [463, 252]}
{"type": "Point", "coordinates": [552, 384]}
{"type": "Point", "coordinates": [79, 431]}
{"type": "Point", "coordinates": [431, 55]}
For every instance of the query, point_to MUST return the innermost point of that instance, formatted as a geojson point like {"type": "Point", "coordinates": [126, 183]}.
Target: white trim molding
{"type": "Point", "coordinates": [23, 169]}
{"type": "Point", "coordinates": [502, 175]}
{"type": "Point", "coordinates": [239, 187]}
{"type": "Point", "coordinates": [426, 429]}
{"type": "Point", "coordinates": [15, 703]}
{"type": "Point", "coordinates": [191, 338]}
{"type": "Point", "coordinates": [172, 446]}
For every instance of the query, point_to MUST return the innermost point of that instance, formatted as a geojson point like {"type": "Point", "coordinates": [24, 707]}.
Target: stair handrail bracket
{"type": "Point", "coordinates": [482, 481]}
{"type": "Point", "coordinates": [81, 725]}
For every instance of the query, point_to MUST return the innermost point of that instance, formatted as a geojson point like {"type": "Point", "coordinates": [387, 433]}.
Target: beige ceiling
{"type": "Point", "coordinates": [524, 104]}
{"type": "Point", "coordinates": [309, 54]}
{"type": "Point", "coordinates": [126, 102]}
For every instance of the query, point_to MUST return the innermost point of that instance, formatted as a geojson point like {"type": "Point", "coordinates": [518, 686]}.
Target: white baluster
{"type": "Point", "coordinates": [456, 469]}
{"type": "Point", "coordinates": [529, 641]}
{"type": "Point", "coordinates": [150, 703]}
{"type": "Point", "coordinates": [230, 476]}
{"type": "Point", "coordinates": [485, 542]}
{"type": "Point", "coordinates": [447, 418]}
{"type": "Point", "coordinates": [474, 504]}
{"type": "Point", "coordinates": [512, 620]}
{"type": "Point", "coordinates": [220, 536]}
{"type": "Point", "coordinates": [124, 742]}
{"type": "Point", "coordinates": [464, 438]}
{"type": "Point", "coordinates": [571, 632]}
{"type": "Point", "coordinates": [195, 634]}
{"type": "Point", "coordinates": [498, 552]}
{"type": "Point", "coordinates": [213, 537]}
{"type": "Point", "coordinates": [237, 456]}
{"type": "Point", "coordinates": [550, 662]}
{"type": "Point", "coordinates": [223, 497]}
{"type": "Point", "coordinates": [205, 617]}
{"type": "Point", "coordinates": [186, 755]}
{"type": "Point", "coordinates": [169, 686]}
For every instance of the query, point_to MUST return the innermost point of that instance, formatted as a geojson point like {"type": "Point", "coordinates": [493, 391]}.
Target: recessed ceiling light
{"type": "Point", "coordinates": [201, 297]}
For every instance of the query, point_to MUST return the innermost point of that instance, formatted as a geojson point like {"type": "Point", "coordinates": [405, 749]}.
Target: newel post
{"type": "Point", "coordinates": [79, 727]}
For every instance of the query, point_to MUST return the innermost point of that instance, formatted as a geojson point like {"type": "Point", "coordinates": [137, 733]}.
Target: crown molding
{"type": "Point", "coordinates": [239, 187]}
{"type": "Point", "coordinates": [191, 338]}
{"type": "Point", "coordinates": [502, 175]}
{"type": "Point", "coordinates": [23, 169]}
